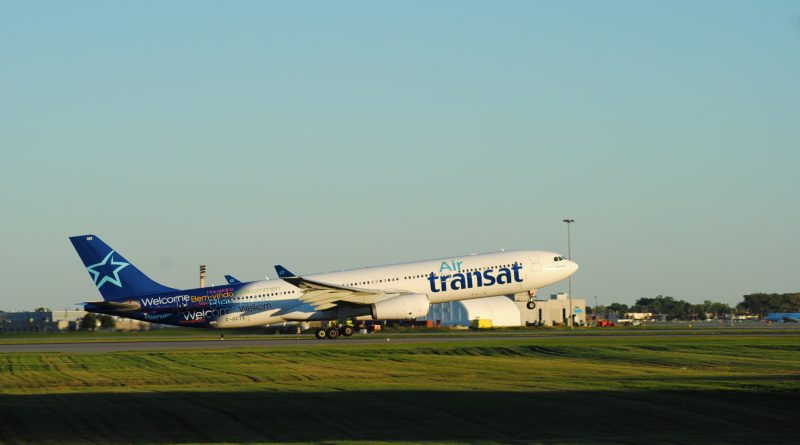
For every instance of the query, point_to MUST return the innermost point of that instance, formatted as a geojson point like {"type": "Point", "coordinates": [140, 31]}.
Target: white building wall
{"type": "Point", "coordinates": [507, 311]}
{"type": "Point", "coordinates": [500, 310]}
{"type": "Point", "coordinates": [553, 312]}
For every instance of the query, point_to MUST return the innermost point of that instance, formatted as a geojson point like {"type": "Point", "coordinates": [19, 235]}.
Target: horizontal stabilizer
{"type": "Point", "coordinates": [113, 306]}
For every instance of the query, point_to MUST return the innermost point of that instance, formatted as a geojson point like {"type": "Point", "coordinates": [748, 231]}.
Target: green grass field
{"type": "Point", "coordinates": [693, 389]}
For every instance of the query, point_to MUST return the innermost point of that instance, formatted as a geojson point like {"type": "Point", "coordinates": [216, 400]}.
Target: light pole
{"type": "Point", "coordinates": [569, 257]}
{"type": "Point", "coordinates": [596, 314]}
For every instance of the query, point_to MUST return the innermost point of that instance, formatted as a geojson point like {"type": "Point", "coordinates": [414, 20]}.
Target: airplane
{"type": "Point", "coordinates": [232, 280]}
{"type": "Point", "coordinates": [394, 292]}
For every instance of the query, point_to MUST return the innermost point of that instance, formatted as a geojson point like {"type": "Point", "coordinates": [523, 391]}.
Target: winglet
{"type": "Point", "coordinates": [283, 272]}
{"type": "Point", "coordinates": [231, 280]}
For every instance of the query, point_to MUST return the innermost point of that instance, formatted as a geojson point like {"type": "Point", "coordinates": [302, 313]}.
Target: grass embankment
{"type": "Point", "coordinates": [628, 389]}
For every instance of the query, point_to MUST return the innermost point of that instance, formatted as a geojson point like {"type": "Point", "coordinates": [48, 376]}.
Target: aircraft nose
{"type": "Point", "coordinates": [573, 267]}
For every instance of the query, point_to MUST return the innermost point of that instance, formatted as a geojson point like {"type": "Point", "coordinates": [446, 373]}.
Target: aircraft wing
{"type": "Point", "coordinates": [325, 295]}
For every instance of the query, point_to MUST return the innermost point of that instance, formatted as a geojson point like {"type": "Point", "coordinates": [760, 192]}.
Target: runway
{"type": "Point", "coordinates": [311, 342]}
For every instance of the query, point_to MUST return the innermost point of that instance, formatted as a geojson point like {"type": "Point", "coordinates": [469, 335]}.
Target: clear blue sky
{"type": "Point", "coordinates": [329, 135]}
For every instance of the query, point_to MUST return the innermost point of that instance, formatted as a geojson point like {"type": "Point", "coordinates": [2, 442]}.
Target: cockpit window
{"type": "Point", "coordinates": [559, 258]}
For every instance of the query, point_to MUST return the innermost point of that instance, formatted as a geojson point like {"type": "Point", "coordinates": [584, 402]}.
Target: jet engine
{"type": "Point", "coordinates": [403, 307]}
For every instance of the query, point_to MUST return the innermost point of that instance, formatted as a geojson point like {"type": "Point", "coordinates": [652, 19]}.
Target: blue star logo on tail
{"type": "Point", "coordinates": [108, 271]}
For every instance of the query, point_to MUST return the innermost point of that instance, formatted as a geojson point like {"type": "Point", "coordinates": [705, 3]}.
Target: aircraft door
{"type": "Point", "coordinates": [535, 265]}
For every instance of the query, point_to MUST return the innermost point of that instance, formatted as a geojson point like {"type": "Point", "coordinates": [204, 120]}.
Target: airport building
{"type": "Point", "coordinates": [58, 320]}
{"type": "Point", "coordinates": [38, 321]}
{"type": "Point", "coordinates": [67, 320]}
{"type": "Point", "coordinates": [41, 321]}
{"type": "Point", "coordinates": [509, 311]}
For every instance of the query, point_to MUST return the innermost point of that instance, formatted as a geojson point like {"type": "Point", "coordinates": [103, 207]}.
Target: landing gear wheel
{"type": "Point", "coordinates": [321, 334]}
{"type": "Point", "coordinates": [332, 333]}
{"type": "Point", "coordinates": [346, 331]}
{"type": "Point", "coordinates": [531, 305]}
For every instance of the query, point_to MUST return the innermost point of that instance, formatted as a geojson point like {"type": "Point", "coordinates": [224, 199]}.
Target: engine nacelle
{"type": "Point", "coordinates": [404, 307]}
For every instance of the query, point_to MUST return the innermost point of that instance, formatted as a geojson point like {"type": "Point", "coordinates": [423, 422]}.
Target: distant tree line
{"type": "Point", "coordinates": [675, 309]}
{"type": "Point", "coordinates": [763, 304]}
{"type": "Point", "coordinates": [90, 321]}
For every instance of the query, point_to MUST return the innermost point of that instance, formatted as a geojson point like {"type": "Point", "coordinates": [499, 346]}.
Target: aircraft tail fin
{"type": "Point", "coordinates": [283, 272]}
{"type": "Point", "coordinates": [114, 276]}
{"type": "Point", "coordinates": [232, 280]}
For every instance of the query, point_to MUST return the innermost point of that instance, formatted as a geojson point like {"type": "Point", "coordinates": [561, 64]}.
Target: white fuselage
{"type": "Point", "coordinates": [442, 280]}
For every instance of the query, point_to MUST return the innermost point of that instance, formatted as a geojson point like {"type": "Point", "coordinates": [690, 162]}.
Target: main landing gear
{"type": "Point", "coordinates": [333, 332]}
